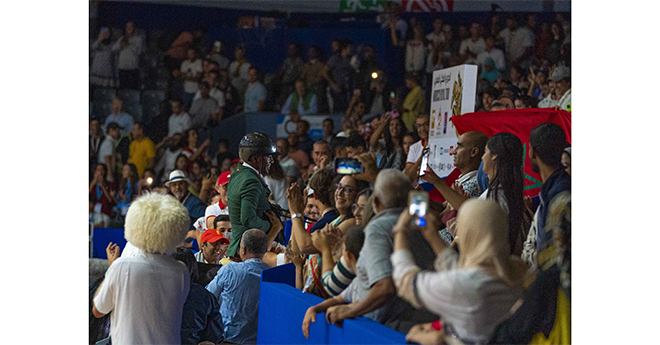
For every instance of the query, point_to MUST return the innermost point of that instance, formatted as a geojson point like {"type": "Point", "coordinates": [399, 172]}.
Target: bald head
{"type": "Point", "coordinates": [476, 139]}
{"type": "Point", "coordinates": [469, 149]}
{"type": "Point", "coordinates": [254, 244]}
{"type": "Point", "coordinates": [391, 189]}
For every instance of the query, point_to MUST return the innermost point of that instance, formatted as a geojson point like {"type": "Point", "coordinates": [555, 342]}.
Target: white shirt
{"type": "Point", "coordinates": [214, 210]}
{"type": "Point", "coordinates": [475, 47]}
{"type": "Point", "coordinates": [415, 56]}
{"type": "Point", "coordinates": [496, 54]}
{"type": "Point", "coordinates": [240, 82]}
{"type": "Point", "coordinates": [278, 188]}
{"type": "Point", "coordinates": [107, 148]}
{"type": "Point", "coordinates": [145, 294]}
{"type": "Point", "coordinates": [565, 101]}
{"type": "Point", "coordinates": [501, 199]}
{"type": "Point", "coordinates": [415, 152]}
{"type": "Point", "coordinates": [432, 37]}
{"type": "Point", "coordinates": [167, 162]}
{"type": "Point", "coordinates": [178, 123]}
{"type": "Point", "coordinates": [214, 93]}
{"type": "Point", "coordinates": [189, 69]}
{"type": "Point", "coordinates": [547, 102]}
{"type": "Point", "coordinates": [515, 42]}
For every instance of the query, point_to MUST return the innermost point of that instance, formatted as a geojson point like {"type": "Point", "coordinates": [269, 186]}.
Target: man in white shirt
{"type": "Point", "coordinates": [491, 52]}
{"type": "Point", "coordinates": [211, 78]}
{"type": "Point", "coordinates": [239, 69]}
{"type": "Point", "coordinates": [146, 292]}
{"type": "Point", "coordinates": [286, 162]}
{"type": "Point", "coordinates": [562, 78]}
{"type": "Point", "coordinates": [179, 121]}
{"type": "Point", "coordinates": [204, 108]}
{"type": "Point", "coordinates": [130, 47]}
{"type": "Point", "coordinates": [436, 37]}
{"type": "Point", "coordinates": [517, 42]}
{"type": "Point", "coordinates": [191, 71]}
{"type": "Point", "coordinates": [213, 247]}
{"type": "Point", "coordinates": [219, 207]}
{"type": "Point", "coordinates": [472, 46]}
{"type": "Point", "coordinates": [255, 95]}
{"type": "Point", "coordinates": [118, 115]}
{"type": "Point", "coordinates": [414, 160]}
{"type": "Point", "coordinates": [550, 100]}
{"type": "Point", "coordinates": [107, 152]}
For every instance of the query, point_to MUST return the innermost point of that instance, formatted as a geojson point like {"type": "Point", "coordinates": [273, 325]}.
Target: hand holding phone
{"type": "Point", "coordinates": [417, 206]}
{"type": "Point", "coordinates": [425, 162]}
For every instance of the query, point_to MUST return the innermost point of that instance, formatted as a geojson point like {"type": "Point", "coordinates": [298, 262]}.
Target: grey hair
{"type": "Point", "coordinates": [255, 241]}
{"type": "Point", "coordinates": [391, 188]}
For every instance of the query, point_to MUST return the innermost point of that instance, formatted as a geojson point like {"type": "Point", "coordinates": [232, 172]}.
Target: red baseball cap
{"type": "Point", "coordinates": [223, 179]}
{"type": "Point", "coordinates": [213, 235]}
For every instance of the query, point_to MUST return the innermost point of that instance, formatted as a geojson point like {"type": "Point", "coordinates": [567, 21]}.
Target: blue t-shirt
{"type": "Point", "coordinates": [327, 218]}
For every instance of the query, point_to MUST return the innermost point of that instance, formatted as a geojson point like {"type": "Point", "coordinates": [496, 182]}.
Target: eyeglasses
{"type": "Point", "coordinates": [348, 189]}
{"type": "Point", "coordinates": [356, 208]}
{"type": "Point", "coordinates": [425, 124]}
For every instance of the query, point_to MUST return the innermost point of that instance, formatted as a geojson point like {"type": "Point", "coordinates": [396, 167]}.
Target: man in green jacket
{"type": "Point", "coordinates": [247, 193]}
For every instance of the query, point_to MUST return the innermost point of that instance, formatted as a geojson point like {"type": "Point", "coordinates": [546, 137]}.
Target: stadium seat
{"type": "Point", "coordinates": [131, 97]}
{"type": "Point", "coordinates": [104, 94]}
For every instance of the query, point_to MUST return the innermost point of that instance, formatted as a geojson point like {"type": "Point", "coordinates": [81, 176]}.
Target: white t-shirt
{"type": "Point", "coordinates": [145, 294]}
{"type": "Point", "coordinates": [496, 54]}
{"type": "Point", "coordinates": [107, 148]}
{"type": "Point", "coordinates": [178, 123]}
{"type": "Point", "coordinates": [278, 188]}
{"type": "Point", "coordinates": [414, 153]}
{"type": "Point", "coordinates": [565, 101]}
{"type": "Point", "coordinates": [415, 56]}
{"type": "Point", "coordinates": [547, 102]}
{"type": "Point", "coordinates": [432, 37]}
{"type": "Point", "coordinates": [501, 199]}
{"type": "Point", "coordinates": [475, 47]}
{"type": "Point", "coordinates": [189, 69]}
{"type": "Point", "coordinates": [241, 81]}
{"type": "Point", "coordinates": [515, 42]}
{"type": "Point", "coordinates": [214, 210]}
{"type": "Point", "coordinates": [214, 93]}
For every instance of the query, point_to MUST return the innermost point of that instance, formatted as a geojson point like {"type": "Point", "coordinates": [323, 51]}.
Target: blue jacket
{"type": "Point", "coordinates": [195, 207]}
{"type": "Point", "coordinates": [201, 317]}
{"type": "Point", "coordinates": [558, 182]}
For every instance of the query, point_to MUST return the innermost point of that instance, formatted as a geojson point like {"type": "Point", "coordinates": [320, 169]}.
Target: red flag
{"type": "Point", "coordinates": [519, 122]}
{"type": "Point", "coordinates": [427, 5]}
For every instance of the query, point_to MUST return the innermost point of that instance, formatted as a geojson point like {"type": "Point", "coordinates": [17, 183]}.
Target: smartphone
{"type": "Point", "coordinates": [425, 162]}
{"type": "Point", "coordinates": [348, 166]}
{"type": "Point", "coordinates": [418, 202]}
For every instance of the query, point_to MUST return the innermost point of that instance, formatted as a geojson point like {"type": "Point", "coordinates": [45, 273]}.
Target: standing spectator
{"type": "Point", "coordinates": [413, 104]}
{"type": "Point", "coordinates": [172, 149]}
{"type": "Point", "coordinates": [377, 96]}
{"type": "Point", "coordinates": [289, 72]}
{"type": "Point", "coordinates": [389, 151]}
{"type": "Point", "coordinates": [239, 69]}
{"type": "Point", "coordinates": [416, 50]}
{"type": "Point", "coordinates": [367, 67]}
{"type": "Point", "coordinates": [491, 52]}
{"type": "Point", "coordinates": [158, 126]}
{"type": "Point", "coordinates": [146, 292]}
{"type": "Point", "coordinates": [302, 101]}
{"type": "Point", "coordinates": [232, 98]}
{"type": "Point", "coordinates": [191, 150]}
{"type": "Point", "coordinates": [255, 94]}
{"type": "Point", "coordinates": [562, 78]}
{"type": "Point", "coordinates": [102, 72]}
{"type": "Point", "coordinates": [312, 74]}
{"type": "Point", "coordinates": [517, 42]}
{"type": "Point", "coordinates": [107, 153]}
{"type": "Point", "coordinates": [295, 153]}
{"type": "Point", "coordinates": [236, 286]}
{"type": "Point", "coordinates": [553, 51]}
{"type": "Point", "coordinates": [277, 182]}
{"type": "Point", "coordinates": [119, 116]}
{"type": "Point", "coordinates": [471, 47]}
{"type": "Point", "coordinates": [179, 121]}
{"type": "Point", "coordinates": [205, 109]}
{"type": "Point", "coordinates": [286, 162]}
{"type": "Point", "coordinates": [414, 160]}
{"type": "Point", "coordinates": [490, 95]}
{"type": "Point", "coordinates": [550, 100]}
{"type": "Point", "coordinates": [217, 55]}
{"type": "Point", "coordinates": [452, 43]}
{"type": "Point", "coordinates": [516, 78]}
{"type": "Point", "coordinates": [178, 185]}
{"type": "Point", "coordinates": [95, 140]}
{"type": "Point", "coordinates": [191, 71]}
{"type": "Point", "coordinates": [130, 48]}
{"type": "Point", "coordinates": [436, 37]}
{"type": "Point", "coordinates": [219, 208]}
{"type": "Point", "coordinates": [340, 75]}
{"type": "Point", "coordinates": [211, 78]}
{"type": "Point", "coordinates": [142, 150]}
{"type": "Point", "coordinates": [536, 79]}
{"type": "Point", "coordinates": [201, 320]}
{"type": "Point", "coordinates": [223, 152]}
{"type": "Point", "coordinates": [102, 196]}
{"type": "Point", "coordinates": [128, 188]}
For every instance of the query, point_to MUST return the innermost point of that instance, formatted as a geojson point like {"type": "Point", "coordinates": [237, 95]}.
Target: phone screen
{"type": "Point", "coordinates": [425, 162]}
{"type": "Point", "coordinates": [417, 205]}
{"type": "Point", "coordinates": [348, 166]}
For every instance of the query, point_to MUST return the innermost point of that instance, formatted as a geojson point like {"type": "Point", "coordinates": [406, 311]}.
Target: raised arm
{"type": "Point", "coordinates": [303, 239]}
{"type": "Point", "coordinates": [454, 198]}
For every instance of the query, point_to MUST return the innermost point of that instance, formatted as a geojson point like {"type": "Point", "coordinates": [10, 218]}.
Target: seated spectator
{"type": "Point", "coordinates": [178, 186]}
{"type": "Point", "coordinates": [217, 55]}
{"type": "Point", "coordinates": [101, 196]}
{"type": "Point", "coordinates": [498, 106]}
{"type": "Point", "coordinates": [328, 130]}
{"type": "Point", "coordinates": [179, 121]}
{"type": "Point", "coordinates": [239, 70]}
{"type": "Point", "coordinates": [155, 224]}
{"type": "Point", "coordinates": [301, 101]}
{"type": "Point", "coordinates": [562, 78]}
{"type": "Point", "coordinates": [128, 188]}
{"type": "Point", "coordinates": [413, 104]}
{"type": "Point", "coordinates": [551, 99]}
{"type": "Point", "coordinates": [213, 247]}
{"type": "Point", "coordinates": [171, 150]}
{"type": "Point", "coordinates": [526, 102]}
{"type": "Point", "coordinates": [536, 79]}
{"type": "Point", "coordinates": [299, 156]}
{"type": "Point", "coordinates": [377, 97]}
{"type": "Point", "coordinates": [237, 288]}
{"type": "Point", "coordinates": [490, 95]}
{"type": "Point", "coordinates": [407, 141]}
{"type": "Point", "coordinates": [372, 293]}
{"type": "Point", "coordinates": [201, 320]}
{"type": "Point", "coordinates": [255, 93]}
{"type": "Point", "coordinates": [190, 72]}
{"type": "Point", "coordinates": [219, 208]}
{"type": "Point", "coordinates": [130, 48]}
{"type": "Point", "coordinates": [212, 78]}
{"type": "Point", "coordinates": [389, 150]}
{"type": "Point", "coordinates": [277, 182]}
{"type": "Point", "coordinates": [490, 51]}
{"type": "Point", "coordinates": [311, 210]}
{"type": "Point", "coordinates": [517, 78]}
{"type": "Point", "coordinates": [338, 146]}
{"type": "Point", "coordinates": [355, 145]}
{"type": "Point", "coordinates": [142, 150]}
{"type": "Point", "coordinates": [503, 164]}
{"type": "Point", "coordinates": [107, 153]}
{"type": "Point", "coordinates": [286, 162]}
{"type": "Point", "coordinates": [192, 150]}
{"type": "Point", "coordinates": [414, 160]}
{"type": "Point", "coordinates": [507, 102]}
{"type": "Point", "coordinates": [489, 72]}
{"type": "Point", "coordinates": [204, 110]}
{"type": "Point", "coordinates": [322, 155]}
{"type": "Point", "coordinates": [119, 116]}
{"type": "Point", "coordinates": [96, 137]}
{"type": "Point", "coordinates": [474, 291]}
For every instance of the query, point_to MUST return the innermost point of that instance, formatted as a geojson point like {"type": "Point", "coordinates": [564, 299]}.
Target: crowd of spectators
{"type": "Point", "coordinates": [467, 274]}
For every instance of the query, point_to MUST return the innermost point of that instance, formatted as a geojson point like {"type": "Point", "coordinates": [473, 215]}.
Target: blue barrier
{"type": "Point", "coordinates": [102, 237]}
{"type": "Point", "coordinates": [282, 308]}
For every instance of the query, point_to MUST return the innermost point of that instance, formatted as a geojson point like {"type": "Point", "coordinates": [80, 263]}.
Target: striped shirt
{"type": "Point", "coordinates": [337, 280]}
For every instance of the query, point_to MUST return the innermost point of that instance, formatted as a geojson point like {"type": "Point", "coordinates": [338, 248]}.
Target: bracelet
{"type": "Point", "coordinates": [296, 215]}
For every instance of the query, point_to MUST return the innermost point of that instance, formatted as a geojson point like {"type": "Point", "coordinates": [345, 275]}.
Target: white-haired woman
{"type": "Point", "coordinates": [146, 291]}
{"type": "Point", "coordinates": [473, 291]}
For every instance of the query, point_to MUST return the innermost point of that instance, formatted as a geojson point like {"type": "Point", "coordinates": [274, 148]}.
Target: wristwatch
{"type": "Point", "coordinates": [296, 215]}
